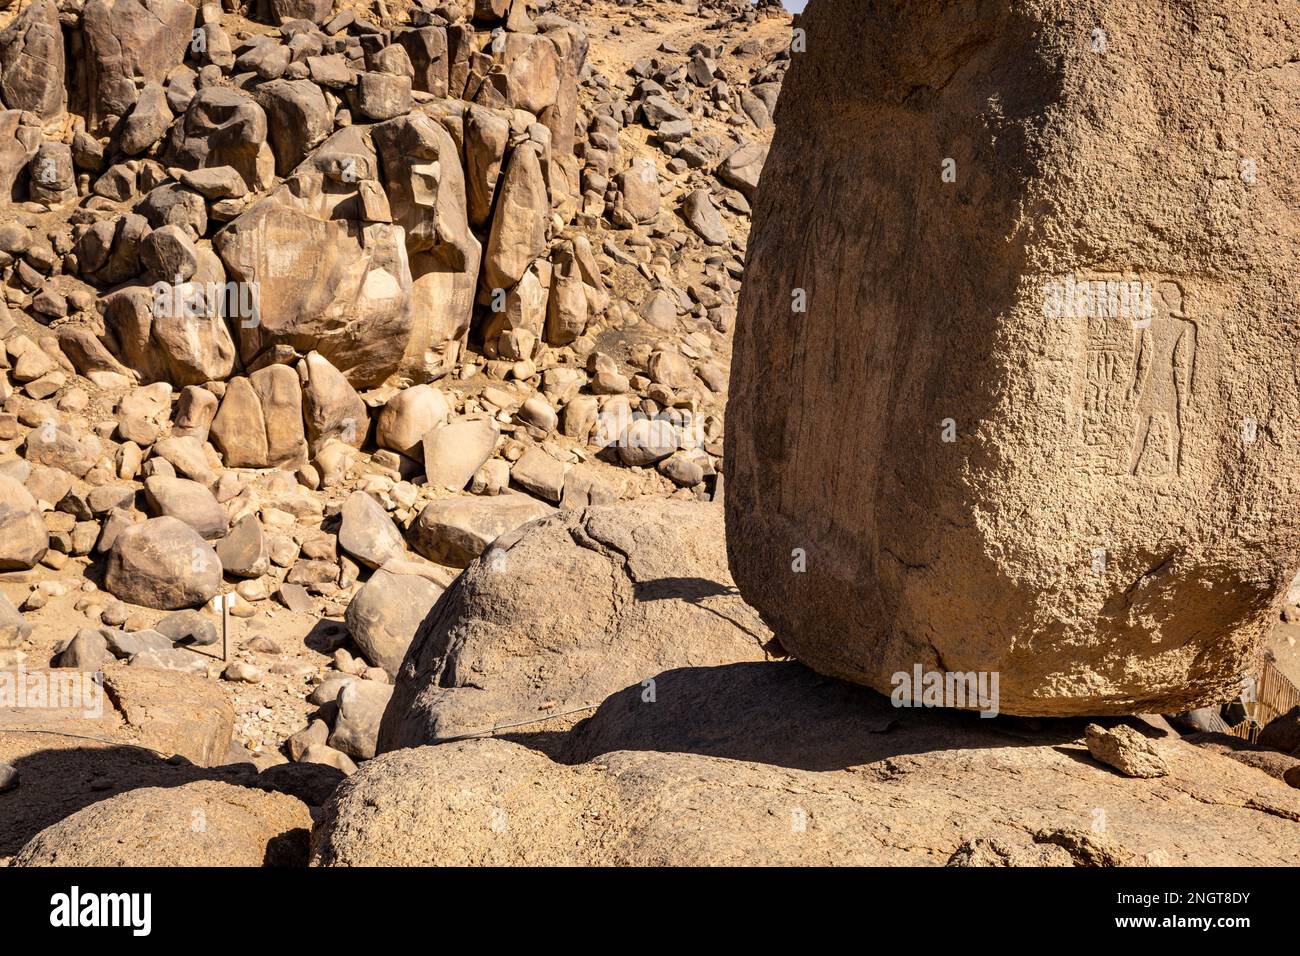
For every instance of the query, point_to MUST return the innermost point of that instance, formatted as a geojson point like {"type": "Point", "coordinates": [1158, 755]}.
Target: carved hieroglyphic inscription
{"type": "Point", "coordinates": [1137, 388]}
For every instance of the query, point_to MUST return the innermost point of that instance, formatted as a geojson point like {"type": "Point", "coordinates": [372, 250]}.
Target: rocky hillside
{"type": "Point", "coordinates": [306, 303]}
{"type": "Point", "coordinates": [362, 463]}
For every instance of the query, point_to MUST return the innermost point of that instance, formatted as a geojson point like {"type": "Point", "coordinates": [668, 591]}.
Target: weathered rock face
{"type": "Point", "coordinates": [31, 62]}
{"type": "Point", "coordinates": [341, 286]}
{"type": "Point", "coordinates": [224, 127]}
{"type": "Point", "coordinates": [427, 198]}
{"type": "Point", "coordinates": [23, 538]}
{"type": "Point", "coordinates": [644, 588]}
{"type": "Point", "coordinates": [241, 827]}
{"type": "Point", "coordinates": [126, 40]}
{"type": "Point", "coordinates": [1086, 496]}
{"type": "Point", "coordinates": [298, 117]}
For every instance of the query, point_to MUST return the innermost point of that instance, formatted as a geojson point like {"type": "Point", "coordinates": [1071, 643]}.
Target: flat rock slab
{"type": "Point", "coordinates": [770, 764]}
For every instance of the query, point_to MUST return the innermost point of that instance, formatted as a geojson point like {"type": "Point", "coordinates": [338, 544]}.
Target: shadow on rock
{"type": "Point", "coordinates": [56, 782]}
{"type": "Point", "coordinates": [783, 714]}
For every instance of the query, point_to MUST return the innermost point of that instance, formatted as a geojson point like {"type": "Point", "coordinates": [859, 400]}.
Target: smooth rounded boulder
{"type": "Point", "coordinates": [23, 536]}
{"type": "Point", "coordinates": [188, 501]}
{"type": "Point", "coordinates": [162, 563]}
{"type": "Point", "coordinates": [385, 615]}
{"type": "Point", "coordinates": [562, 612]}
{"type": "Point", "coordinates": [158, 826]}
{"type": "Point", "coordinates": [1039, 432]}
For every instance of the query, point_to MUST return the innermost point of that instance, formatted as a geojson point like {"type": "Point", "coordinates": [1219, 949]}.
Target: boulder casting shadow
{"type": "Point", "coordinates": [783, 714]}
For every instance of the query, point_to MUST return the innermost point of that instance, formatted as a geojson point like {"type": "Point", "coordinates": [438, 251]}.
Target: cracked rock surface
{"type": "Point", "coordinates": [644, 587]}
{"type": "Point", "coordinates": [767, 763]}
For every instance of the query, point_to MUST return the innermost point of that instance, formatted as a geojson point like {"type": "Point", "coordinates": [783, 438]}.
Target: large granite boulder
{"type": "Point", "coordinates": [1039, 430]}
{"type": "Point", "coordinates": [643, 588]}
{"type": "Point", "coordinates": [126, 41]}
{"type": "Point", "coordinates": [32, 69]}
{"type": "Point", "coordinates": [330, 269]}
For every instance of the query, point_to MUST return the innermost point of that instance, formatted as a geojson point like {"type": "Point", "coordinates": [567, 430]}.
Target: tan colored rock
{"type": "Point", "coordinates": [743, 167]}
{"type": "Point", "coordinates": [23, 536]}
{"type": "Point", "coordinates": [187, 501]}
{"type": "Point", "coordinates": [426, 47]}
{"type": "Point", "coordinates": [186, 453]}
{"type": "Point", "coordinates": [298, 118]}
{"type": "Point", "coordinates": [408, 416]}
{"type": "Point", "coordinates": [639, 184]}
{"type": "Point", "coordinates": [126, 40]}
{"type": "Point", "coordinates": [225, 127]}
{"type": "Point", "coordinates": [384, 616]}
{"type": "Point", "coordinates": [108, 741]}
{"type": "Point", "coordinates": [162, 563]}
{"type": "Point", "coordinates": [532, 71]}
{"type": "Point", "coordinates": [567, 309]}
{"type": "Point", "coordinates": [1039, 483]}
{"type": "Point", "coordinates": [173, 332]}
{"type": "Point", "coordinates": [540, 474]}
{"type": "Point", "coordinates": [244, 552]}
{"type": "Point", "coordinates": [150, 118]}
{"type": "Point", "coordinates": [703, 216]}
{"type": "Point", "coordinates": [32, 72]}
{"type": "Point", "coordinates": [487, 133]}
{"type": "Point", "coordinates": [157, 826]}
{"type": "Point", "coordinates": [427, 196]}
{"type": "Point", "coordinates": [491, 9]}
{"type": "Point", "coordinates": [519, 223]}
{"type": "Point", "coordinates": [1127, 750]}
{"type": "Point", "coordinates": [571, 44]}
{"type": "Point", "coordinates": [338, 286]}
{"type": "Point", "coordinates": [327, 756]}
{"type": "Point", "coordinates": [331, 407]}
{"type": "Point", "coordinates": [768, 763]}
{"type": "Point", "coordinates": [455, 531]}
{"type": "Point", "coordinates": [63, 446]}
{"type": "Point", "coordinates": [260, 424]}
{"type": "Point", "coordinates": [455, 450]}
{"type": "Point", "coordinates": [361, 708]}
{"type": "Point", "coordinates": [18, 144]}
{"type": "Point", "coordinates": [645, 589]}
{"type": "Point", "coordinates": [382, 96]}
{"type": "Point", "coordinates": [367, 533]}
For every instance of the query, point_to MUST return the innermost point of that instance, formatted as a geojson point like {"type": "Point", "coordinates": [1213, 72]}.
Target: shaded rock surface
{"type": "Point", "coordinates": [755, 763]}
{"type": "Point", "coordinates": [199, 824]}
{"type": "Point", "coordinates": [644, 588]}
